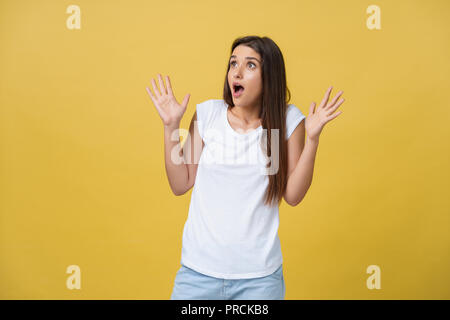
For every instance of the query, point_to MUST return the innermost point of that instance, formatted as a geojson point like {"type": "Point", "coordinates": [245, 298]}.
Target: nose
{"type": "Point", "coordinates": [237, 73]}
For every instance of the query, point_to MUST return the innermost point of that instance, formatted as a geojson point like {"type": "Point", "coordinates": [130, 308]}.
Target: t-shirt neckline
{"type": "Point", "coordinates": [230, 128]}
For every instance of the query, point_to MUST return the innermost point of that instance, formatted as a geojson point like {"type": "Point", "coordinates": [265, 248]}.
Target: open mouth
{"type": "Point", "coordinates": [238, 89]}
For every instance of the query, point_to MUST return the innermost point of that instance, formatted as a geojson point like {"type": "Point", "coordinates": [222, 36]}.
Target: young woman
{"type": "Point", "coordinates": [231, 248]}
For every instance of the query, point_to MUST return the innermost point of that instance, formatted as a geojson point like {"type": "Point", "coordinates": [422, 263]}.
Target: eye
{"type": "Point", "coordinates": [254, 65]}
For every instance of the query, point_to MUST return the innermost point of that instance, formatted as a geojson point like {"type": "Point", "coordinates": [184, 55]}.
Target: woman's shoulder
{"type": "Point", "coordinates": [212, 103]}
{"type": "Point", "coordinates": [293, 110]}
{"type": "Point", "coordinates": [293, 117]}
{"type": "Point", "coordinates": [209, 107]}
{"type": "Point", "coordinates": [208, 112]}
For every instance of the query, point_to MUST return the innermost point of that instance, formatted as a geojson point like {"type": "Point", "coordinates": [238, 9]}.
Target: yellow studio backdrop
{"type": "Point", "coordinates": [83, 181]}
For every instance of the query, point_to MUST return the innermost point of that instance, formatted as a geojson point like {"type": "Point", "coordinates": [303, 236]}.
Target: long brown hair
{"type": "Point", "coordinates": [275, 98]}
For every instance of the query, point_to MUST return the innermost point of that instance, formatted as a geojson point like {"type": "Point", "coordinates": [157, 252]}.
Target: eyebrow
{"type": "Point", "coordinates": [247, 58]}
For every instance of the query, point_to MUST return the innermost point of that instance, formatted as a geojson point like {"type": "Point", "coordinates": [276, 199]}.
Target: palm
{"type": "Point", "coordinates": [317, 119]}
{"type": "Point", "coordinates": [169, 110]}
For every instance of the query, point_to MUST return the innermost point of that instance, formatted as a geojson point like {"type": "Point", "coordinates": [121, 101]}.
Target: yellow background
{"type": "Point", "coordinates": [82, 165]}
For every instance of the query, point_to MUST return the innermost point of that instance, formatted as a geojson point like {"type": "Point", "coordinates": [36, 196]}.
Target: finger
{"type": "Point", "coordinates": [333, 108]}
{"type": "Point", "coordinates": [150, 94]}
{"type": "Point", "coordinates": [185, 100]}
{"type": "Point", "coordinates": [326, 97]}
{"type": "Point", "coordinates": [155, 88]}
{"type": "Point", "coordinates": [154, 100]}
{"type": "Point", "coordinates": [333, 116]}
{"type": "Point", "coordinates": [169, 86]}
{"type": "Point", "coordinates": [311, 107]}
{"type": "Point", "coordinates": [334, 99]}
{"type": "Point", "coordinates": [161, 84]}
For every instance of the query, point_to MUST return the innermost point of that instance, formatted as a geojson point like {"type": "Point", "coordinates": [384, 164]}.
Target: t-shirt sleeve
{"type": "Point", "coordinates": [293, 118]}
{"type": "Point", "coordinates": [204, 110]}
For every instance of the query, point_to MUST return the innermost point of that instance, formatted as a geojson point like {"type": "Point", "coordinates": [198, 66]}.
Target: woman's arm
{"type": "Point", "coordinates": [177, 174]}
{"type": "Point", "coordinates": [301, 158]}
{"type": "Point", "coordinates": [181, 162]}
{"type": "Point", "coordinates": [181, 165]}
{"type": "Point", "coordinates": [302, 155]}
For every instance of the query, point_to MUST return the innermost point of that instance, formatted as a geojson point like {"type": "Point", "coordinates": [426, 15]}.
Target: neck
{"type": "Point", "coordinates": [247, 114]}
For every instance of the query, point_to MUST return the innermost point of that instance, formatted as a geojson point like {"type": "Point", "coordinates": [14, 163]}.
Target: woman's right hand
{"type": "Point", "coordinates": [168, 108]}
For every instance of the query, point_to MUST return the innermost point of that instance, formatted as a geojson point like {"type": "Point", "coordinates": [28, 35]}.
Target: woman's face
{"type": "Point", "coordinates": [245, 69]}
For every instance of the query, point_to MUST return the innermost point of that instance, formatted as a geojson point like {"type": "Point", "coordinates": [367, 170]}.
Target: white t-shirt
{"type": "Point", "coordinates": [229, 232]}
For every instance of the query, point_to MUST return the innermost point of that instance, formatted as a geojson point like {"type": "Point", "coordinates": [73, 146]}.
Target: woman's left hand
{"type": "Point", "coordinates": [316, 120]}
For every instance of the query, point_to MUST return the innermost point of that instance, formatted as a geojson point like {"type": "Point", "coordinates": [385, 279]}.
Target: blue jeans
{"type": "Point", "coordinates": [192, 285]}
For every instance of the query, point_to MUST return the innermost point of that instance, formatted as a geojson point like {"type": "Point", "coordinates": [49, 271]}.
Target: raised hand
{"type": "Point", "coordinates": [164, 100]}
{"type": "Point", "coordinates": [316, 120]}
